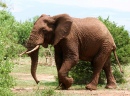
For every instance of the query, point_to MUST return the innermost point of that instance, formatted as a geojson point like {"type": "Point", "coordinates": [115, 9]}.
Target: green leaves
{"type": "Point", "coordinates": [2, 4]}
{"type": "Point", "coordinates": [11, 33]}
{"type": "Point", "coordinates": [7, 47]}
{"type": "Point", "coordinates": [122, 40]}
{"type": "Point", "coordinates": [23, 29]}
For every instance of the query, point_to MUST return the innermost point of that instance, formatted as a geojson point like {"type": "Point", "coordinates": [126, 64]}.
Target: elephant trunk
{"type": "Point", "coordinates": [34, 62]}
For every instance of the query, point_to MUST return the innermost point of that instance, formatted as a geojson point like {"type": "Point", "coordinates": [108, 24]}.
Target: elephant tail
{"type": "Point", "coordinates": [114, 51]}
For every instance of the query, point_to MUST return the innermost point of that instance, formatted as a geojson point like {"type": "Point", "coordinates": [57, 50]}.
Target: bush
{"type": "Point", "coordinates": [7, 42]}
{"type": "Point", "coordinates": [23, 30]}
{"type": "Point", "coordinates": [122, 41]}
{"type": "Point", "coordinates": [82, 72]}
{"type": "Point", "coordinates": [5, 92]}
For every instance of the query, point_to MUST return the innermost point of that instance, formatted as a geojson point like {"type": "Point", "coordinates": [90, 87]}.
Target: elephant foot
{"type": "Point", "coordinates": [37, 82]}
{"type": "Point", "coordinates": [91, 87]}
{"type": "Point", "coordinates": [63, 87]}
{"type": "Point", "coordinates": [111, 86]}
{"type": "Point", "coordinates": [66, 83]}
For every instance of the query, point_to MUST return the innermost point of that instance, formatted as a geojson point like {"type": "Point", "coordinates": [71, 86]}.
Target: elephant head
{"type": "Point", "coordinates": [46, 30]}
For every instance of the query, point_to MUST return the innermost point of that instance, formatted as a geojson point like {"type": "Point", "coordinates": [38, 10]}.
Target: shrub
{"type": "Point", "coordinates": [23, 30]}
{"type": "Point", "coordinates": [5, 92]}
{"type": "Point", "coordinates": [7, 40]}
{"type": "Point", "coordinates": [82, 72]}
{"type": "Point", "coordinates": [122, 40]}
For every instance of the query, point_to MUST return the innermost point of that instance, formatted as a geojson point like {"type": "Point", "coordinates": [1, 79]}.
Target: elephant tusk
{"type": "Point", "coordinates": [27, 52]}
{"type": "Point", "coordinates": [33, 49]}
{"type": "Point", "coordinates": [22, 53]}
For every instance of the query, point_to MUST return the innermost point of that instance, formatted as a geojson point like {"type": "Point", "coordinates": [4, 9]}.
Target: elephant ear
{"type": "Point", "coordinates": [63, 27]}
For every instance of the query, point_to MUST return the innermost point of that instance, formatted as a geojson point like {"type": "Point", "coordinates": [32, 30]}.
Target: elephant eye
{"type": "Point", "coordinates": [49, 21]}
{"type": "Point", "coordinates": [42, 29]}
{"type": "Point", "coordinates": [45, 21]}
{"type": "Point", "coordinates": [50, 25]}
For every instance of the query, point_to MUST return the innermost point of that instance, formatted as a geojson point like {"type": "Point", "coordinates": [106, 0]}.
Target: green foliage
{"type": "Point", "coordinates": [23, 29]}
{"type": "Point", "coordinates": [5, 79]}
{"type": "Point", "coordinates": [118, 76]}
{"type": "Point", "coordinates": [5, 92]}
{"type": "Point", "coordinates": [122, 40]}
{"type": "Point", "coordinates": [8, 41]}
{"type": "Point", "coordinates": [7, 47]}
{"type": "Point", "coordinates": [82, 72]}
{"type": "Point", "coordinates": [2, 4]}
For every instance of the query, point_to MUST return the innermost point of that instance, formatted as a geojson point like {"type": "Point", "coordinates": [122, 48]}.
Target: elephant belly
{"type": "Point", "coordinates": [83, 58]}
{"type": "Point", "coordinates": [88, 55]}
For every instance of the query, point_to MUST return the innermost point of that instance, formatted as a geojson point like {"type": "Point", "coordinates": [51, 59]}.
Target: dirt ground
{"type": "Point", "coordinates": [70, 92]}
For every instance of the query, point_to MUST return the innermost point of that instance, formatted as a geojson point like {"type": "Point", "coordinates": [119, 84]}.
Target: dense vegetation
{"type": "Point", "coordinates": [7, 51]}
{"type": "Point", "coordinates": [11, 44]}
{"type": "Point", "coordinates": [23, 30]}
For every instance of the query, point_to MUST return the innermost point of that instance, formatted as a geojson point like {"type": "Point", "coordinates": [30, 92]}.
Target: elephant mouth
{"type": "Point", "coordinates": [30, 51]}
{"type": "Point", "coordinates": [45, 45]}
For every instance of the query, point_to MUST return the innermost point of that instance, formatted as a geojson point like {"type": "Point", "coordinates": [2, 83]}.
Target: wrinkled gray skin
{"type": "Point", "coordinates": [74, 39]}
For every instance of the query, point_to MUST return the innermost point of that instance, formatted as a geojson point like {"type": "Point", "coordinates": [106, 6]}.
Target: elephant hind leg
{"type": "Point", "coordinates": [98, 63]}
{"type": "Point", "coordinates": [111, 82]}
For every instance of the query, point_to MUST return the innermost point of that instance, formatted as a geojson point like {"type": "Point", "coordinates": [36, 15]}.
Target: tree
{"type": "Point", "coordinates": [23, 29]}
{"type": "Point", "coordinates": [2, 4]}
{"type": "Point", "coordinates": [7, 47]}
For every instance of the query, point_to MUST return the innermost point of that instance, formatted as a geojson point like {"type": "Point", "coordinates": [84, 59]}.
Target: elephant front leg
{"type": "Point", "coordinates": [59, 60]}
{"type": "Point", "coordinates": [63, 74]}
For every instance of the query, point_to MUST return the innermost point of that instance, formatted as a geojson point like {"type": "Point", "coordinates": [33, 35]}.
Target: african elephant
{"type": "Point", "coordinates": [73, 39]}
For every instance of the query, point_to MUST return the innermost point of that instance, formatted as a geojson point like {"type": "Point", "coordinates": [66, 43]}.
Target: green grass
{"type": "Point", "coordinates": [40, 69]}
{"type": "Point", "coordinates": [125, 86]}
